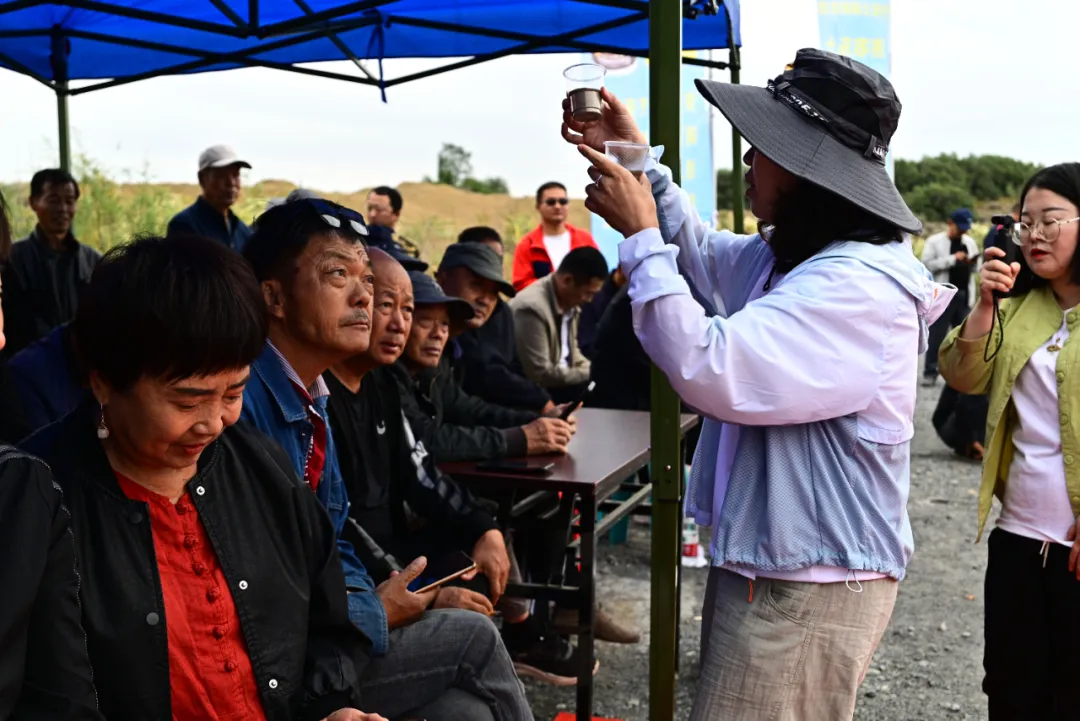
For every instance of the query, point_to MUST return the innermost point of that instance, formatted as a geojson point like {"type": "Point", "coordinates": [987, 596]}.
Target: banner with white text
{"type": "Point", "coordinates": [859, 30]}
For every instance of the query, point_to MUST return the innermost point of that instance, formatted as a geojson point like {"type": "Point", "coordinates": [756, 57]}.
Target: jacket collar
{"type": "Point", "coordinates": [270, 371]}
{"type": "Point", "coordinates": [69, 242]}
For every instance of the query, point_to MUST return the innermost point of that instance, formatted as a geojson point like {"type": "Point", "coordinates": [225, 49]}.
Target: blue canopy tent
{"type": "Point", "coordinates": [115, 42]}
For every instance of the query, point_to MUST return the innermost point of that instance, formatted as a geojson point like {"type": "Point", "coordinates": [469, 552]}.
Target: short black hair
{"type": "Point", "coordinates": [584, 265]}
{"type": "Point", "coordinates": [1063, 179]}
{"type": "Point", "coordinates": [282, 232]}
{"type": "Point", "coordinates": [396, 201]}
{"type": "Point", "coordinates": [169, 308]}
{"type": "Point", "coordinates": [52, 176]}
{"type": "Point", "coordinates": [479, 234]}
{"type": "Point", "coordinates": [546, 187]}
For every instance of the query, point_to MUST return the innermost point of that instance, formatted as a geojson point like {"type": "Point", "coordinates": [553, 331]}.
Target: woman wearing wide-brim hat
{"type": "Point", "coordinates": [801, 347]}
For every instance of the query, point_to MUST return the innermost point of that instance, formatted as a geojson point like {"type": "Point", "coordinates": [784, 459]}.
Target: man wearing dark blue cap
{"type": "Point", "coordinates": [953, 257]}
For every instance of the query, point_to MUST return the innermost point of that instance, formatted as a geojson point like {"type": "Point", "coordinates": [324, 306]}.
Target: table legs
{"type": "Point", "coordinates": [586, 608]}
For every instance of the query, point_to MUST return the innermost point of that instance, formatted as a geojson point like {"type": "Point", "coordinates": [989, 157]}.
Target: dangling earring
{"type": "Point", "coordinates": [102, 429]}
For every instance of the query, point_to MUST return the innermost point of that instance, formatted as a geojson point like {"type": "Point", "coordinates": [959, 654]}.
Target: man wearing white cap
{"type": "Point", "coordinates": [210, 216]}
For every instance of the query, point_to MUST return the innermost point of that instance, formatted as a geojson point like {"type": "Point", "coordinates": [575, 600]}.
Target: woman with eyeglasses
{"type": "Point", "coordinates": [211, 584]}
{"type": "Point", "coordinates": [1019, 351]}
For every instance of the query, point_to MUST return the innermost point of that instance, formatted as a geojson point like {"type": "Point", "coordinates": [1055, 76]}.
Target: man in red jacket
{"type": "Point", "coordinates": [541, 251]}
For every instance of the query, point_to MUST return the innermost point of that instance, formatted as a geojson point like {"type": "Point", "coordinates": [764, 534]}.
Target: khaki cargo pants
{"type": "Point", "coordinates": [789, 651]}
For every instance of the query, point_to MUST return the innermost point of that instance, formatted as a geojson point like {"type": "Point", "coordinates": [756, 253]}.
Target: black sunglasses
{"type": "Point", "coordinates": [560, 201]}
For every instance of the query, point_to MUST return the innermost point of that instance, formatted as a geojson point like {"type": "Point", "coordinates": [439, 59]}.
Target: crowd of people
{"type": "Point", "coordinates": [222, 472]}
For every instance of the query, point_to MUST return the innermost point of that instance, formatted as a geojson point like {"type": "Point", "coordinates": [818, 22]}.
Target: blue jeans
{"type": "Point", "coordinates": [448, 666]}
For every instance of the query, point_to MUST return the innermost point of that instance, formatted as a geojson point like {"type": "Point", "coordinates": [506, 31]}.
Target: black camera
{"type": "Point", "coordinates": [1003, 236]}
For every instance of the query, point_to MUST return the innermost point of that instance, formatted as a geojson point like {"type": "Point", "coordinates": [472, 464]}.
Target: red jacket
{"type": "Point", "coordinates": [531, 259]}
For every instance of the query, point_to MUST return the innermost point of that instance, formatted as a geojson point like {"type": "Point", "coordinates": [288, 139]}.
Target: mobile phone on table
{"type": "Point", "coordinates": [517, 468]}
{"type": "Point", "coordinates": [442, 571]}
{"type": "Point", "coordinates": [565, 415]}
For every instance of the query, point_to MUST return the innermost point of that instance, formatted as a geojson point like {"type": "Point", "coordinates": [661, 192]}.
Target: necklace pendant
{"type": "Point", "coordinates": [1053, 348]}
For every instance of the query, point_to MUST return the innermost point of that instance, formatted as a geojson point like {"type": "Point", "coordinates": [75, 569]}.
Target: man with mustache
{"type": "Point", "coordinates": [49, 268]}
{"type": "Point", "coordinates": [310, 259]}
{"type": "Point", "coordinates": [403, 507]}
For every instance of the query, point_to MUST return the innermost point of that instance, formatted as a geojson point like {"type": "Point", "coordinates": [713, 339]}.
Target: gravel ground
{"type": "Point", "coordinates": [929, 663]}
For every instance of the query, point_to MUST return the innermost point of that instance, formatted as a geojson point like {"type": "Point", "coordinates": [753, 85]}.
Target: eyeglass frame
{"type": "Point", "coordinates": [552, 202]}
{"type": "Point", "coordinates": [1017, 229]}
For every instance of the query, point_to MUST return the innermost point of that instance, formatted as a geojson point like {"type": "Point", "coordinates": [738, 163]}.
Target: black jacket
{"type": "Point", "coordinates": [42, 287]}
{"type": "Point", "coordinates": [489, 364]}
{"type": "Point", "coordinates": [620, 367]}
{"type": "Point", "coordinates": [454, 425]}
{"type": "Point", "coordinates": [44, 669]}
{"type": "Point", "coordinates": [385, 469]}
{"type": "Point", "coordinates": [276, 547]}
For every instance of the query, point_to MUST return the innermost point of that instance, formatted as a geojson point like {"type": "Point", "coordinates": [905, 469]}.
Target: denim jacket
{"type": "Point", "coordinates": [819, 376]}
{"type": "Point", "coordinates": [272, 404]}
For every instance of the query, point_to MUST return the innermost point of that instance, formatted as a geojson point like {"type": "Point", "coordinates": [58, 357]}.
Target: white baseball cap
{"type": "Point", "coordinates": [220, 156]}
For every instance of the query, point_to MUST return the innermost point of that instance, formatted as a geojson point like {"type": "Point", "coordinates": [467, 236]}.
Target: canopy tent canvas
{"type": "Point", "coordinates": [128, 40]}
{"type": "Point", "coordinates": [112, 42]}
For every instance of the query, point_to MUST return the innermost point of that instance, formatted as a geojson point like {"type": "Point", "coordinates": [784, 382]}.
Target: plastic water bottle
{"type": "Point", "coordinates": [693, 555]}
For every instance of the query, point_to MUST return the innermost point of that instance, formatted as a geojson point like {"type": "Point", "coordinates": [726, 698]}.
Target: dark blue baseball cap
{"type": "Point", "coordinates": [962, 218]}
{"type": "Point", "coordinates": [427, 292]}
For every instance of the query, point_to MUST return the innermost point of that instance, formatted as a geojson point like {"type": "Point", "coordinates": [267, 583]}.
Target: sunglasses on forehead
{"type": "Point", "coordinates": [334, 215]}
{"type": "Point", "coordinates": [553, 201]}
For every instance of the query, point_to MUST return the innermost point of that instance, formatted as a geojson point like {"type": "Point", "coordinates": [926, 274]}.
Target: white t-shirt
{"type": "Point", "coordinates": [557, 247]}
{"type": "Point", "coordinates": [564, 361]}
{"type": "Point", "coordinates": [1036, 497]}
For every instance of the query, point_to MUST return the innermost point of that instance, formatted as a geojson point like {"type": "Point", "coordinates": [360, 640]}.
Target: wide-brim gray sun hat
{"type": "Point", "coordinates": [827, 119]}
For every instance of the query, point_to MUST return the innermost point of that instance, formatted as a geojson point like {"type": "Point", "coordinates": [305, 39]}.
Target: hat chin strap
{"type": "Point", "coordinates": [851, 135]}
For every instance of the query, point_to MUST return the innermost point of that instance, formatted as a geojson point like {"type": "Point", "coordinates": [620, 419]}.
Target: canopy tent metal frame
{"type": "Point", "coordinates": [665, 18]}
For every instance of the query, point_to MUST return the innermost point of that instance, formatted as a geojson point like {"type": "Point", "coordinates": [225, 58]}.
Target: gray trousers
{"type": "Point", "coordinates": [787, 651]}
{"type": "Point", "coordinates": [450, 665]}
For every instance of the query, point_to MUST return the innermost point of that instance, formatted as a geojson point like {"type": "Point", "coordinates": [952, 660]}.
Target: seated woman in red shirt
{"type": "Point", "coordinates": [211, 585]}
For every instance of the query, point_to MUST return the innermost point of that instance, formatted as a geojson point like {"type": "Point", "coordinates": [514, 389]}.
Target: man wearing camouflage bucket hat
{"type": "Point", "coordinates": [800, 345]}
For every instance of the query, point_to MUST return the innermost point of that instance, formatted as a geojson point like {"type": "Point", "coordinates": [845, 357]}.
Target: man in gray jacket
{"type": "Point", "coordinates": [546, 321]}
{"type": "Point", "coordinates": [953, 257]}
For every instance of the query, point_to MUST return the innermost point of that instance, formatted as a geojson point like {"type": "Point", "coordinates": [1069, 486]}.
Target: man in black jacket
{"type": "Point", "coordinates": [488, 367]}
{"type": "Point", "coordinates": [454, 425]}
{"type": "Point", "coordinates": [48, 268]}
{"type": "Point", "coordinates": [402, 505]}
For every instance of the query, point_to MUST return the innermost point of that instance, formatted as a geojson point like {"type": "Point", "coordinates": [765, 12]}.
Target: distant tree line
{"type": "Point", "coordinates": [455, 168]}
{"type": "Point", "coordinates": [935, 186]}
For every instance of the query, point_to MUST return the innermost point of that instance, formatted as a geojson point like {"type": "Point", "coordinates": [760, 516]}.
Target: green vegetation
{"type": "Point", "coordinates": [935, 186]}
{"type": "Point", "coordinates": [455, 168]}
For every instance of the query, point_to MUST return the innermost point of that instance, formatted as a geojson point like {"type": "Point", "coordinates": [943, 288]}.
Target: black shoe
{"type": "Point", "coordinates": [929, 381]}
{"type": "Point", "coordinates": [553, 661]}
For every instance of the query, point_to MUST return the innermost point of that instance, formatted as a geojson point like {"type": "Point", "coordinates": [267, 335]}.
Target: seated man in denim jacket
{"type": "Point", "coordinates": [316, 277]}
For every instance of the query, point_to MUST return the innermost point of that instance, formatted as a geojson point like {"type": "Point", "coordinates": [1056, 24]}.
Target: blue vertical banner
{"type": "Point", "coordinates": [628, 79]}
{"type": "Point", "coordinates": [859, 30]}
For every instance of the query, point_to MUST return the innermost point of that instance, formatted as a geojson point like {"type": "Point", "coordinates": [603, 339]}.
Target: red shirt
{"type": "Point", "coordinates": [531, 259]}
{"type": "Point", "coordinates": [210, 674]}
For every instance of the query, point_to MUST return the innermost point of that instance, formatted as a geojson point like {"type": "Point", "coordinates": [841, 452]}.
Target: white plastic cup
{"type": "Point", "coordinates": [632, 156]}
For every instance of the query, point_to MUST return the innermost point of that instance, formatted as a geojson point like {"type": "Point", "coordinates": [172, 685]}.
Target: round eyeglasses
{"type": "Point", "coordinates": [1048, 229]}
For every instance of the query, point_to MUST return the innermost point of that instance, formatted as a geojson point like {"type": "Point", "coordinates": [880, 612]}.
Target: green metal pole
{"type": "Point", "coordinates": [737, 198]}
{"type": "Point", "coordinates": [665, 119]}
{"type": "Point", "coordinates": [58, 58]}
{"type": "Point", "coordinates": [62, 121]}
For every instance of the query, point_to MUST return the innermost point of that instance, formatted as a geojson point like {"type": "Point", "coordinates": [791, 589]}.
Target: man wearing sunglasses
{"type": "Point", "coordinates": [542, 250]}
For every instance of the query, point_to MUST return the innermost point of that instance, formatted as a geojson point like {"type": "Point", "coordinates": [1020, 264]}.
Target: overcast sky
{"type": "Point", "coordinates": [974, 76]}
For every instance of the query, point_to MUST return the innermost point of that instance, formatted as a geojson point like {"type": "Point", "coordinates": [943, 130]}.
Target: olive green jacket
{"type": "Point", "coordinates": [1028, 322]}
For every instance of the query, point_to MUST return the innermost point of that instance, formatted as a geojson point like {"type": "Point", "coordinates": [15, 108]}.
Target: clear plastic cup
{"type": "Point", "coordinates": [583, 85]}
{"type": "Point", "coordinates": [631, 156]}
